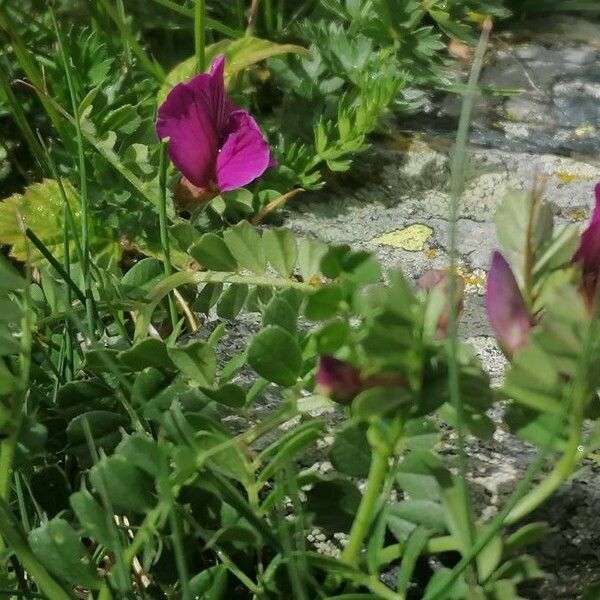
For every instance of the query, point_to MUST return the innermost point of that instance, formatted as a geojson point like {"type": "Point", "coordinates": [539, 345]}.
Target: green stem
{"type": "Point", "coordinates": [364, 515]}
{"type": "Point", "coordinates": [457, 181]}
{"type": "Point", "coordinates": [180, 562]}
{"type": "Point", "coordinates": [384, 441]}
{"type": "Point", "coordinates": [85, 219]}
{"type": "Point", "coordinates": [35, 240]}
{"type": "Point", "coordinates": [7, 453]}
{"type": "Point", "coordinates": [189, 278]}
{"type": "Point", "coordinates": [252, 17]}
{"type": "Point", "coordinates": [19, 116]}
{"type": "Point", "coordinates": [151, 66]}
{"type": "Point", "coordinates": [269, 22]}
{"type": "Point", "coordinates": [210, 23]}
{"type": "Point", "coordinates": [164, 233]}
{"type": "Point", "coordinates": [34, 74]}
{"type": "Point", "coordinates": [200, 35]}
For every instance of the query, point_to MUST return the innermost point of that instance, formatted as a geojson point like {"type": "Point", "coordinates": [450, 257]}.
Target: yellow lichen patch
{"type": "Point", "coordinates": [585, 131]}
{"type": "Point", "coordinates": [475, 280]}
{"type": "Point", "coordinates": [576, 214]}
{"type": "Point", "coordinates": [412, 238]}
{"type": "Point", "coordinates": [566, 177]}
{"type": "Point", "coordinates": [431, 253]}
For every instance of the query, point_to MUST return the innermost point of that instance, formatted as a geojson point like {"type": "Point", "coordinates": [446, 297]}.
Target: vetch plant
{"type": "Point", "coordinates": [217, 146]}
{"type": "Point", "coordinates": [144, 451]}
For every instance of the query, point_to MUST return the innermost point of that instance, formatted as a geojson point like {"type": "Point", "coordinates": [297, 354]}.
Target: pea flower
{"type": "Point", "coordinates": [588, 254]}
{"type": "Point", "coordinates": [438, 281]}
{"type": "Point", "coordinates": [508, 316]}
{"type": "Point", "coordinates": [217, 146]}
{"type": "Point", "coordinates": [338, 379]}
{"type": "Point", "coordinates": [342, 381]}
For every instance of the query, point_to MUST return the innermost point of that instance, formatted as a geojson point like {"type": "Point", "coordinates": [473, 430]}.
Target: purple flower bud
{"type": "Point", "coordinates": [217, 146]}
{"type": "Point", "coordinates": [338, 379]}
{"type": "Point", "coordinates": [588, 254]}
{"type": "Point", "coordinates": [508, 316]}
{"type": "Point", "coordinates": [440, 279]}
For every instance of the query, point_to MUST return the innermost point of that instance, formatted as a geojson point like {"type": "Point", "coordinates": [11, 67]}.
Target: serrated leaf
{"type": "Point", "coordinates": [275, 355]}
{"type": "Point", "coordinates": [212, 252]}
{"type": "Point", "coordinates": [279, 312]}
{"type": "Point", "coordinates": [196, 360]}
{"type": "Point", "coordinates": [228, 394]}
{"type": "Point", "coordinates": [92, 517]}
{"type": "Point", "coordinates": [246, 246]}
{"type": "Point", "coordinates": [127, 486]}
{"type": "Point", "coordinates": [350, 452]}
{"type": "Point", "coordinates": [41, 208]}
{"type": "Point", "coordinates": [524, 225]}
{"type": "Point", "coordinates": [208, 297]}
{"type": "Point", "coordinates": [404, 517]}
{"type": "Point", "coordinates": [281, 250]}
{"type": "Point", "coordinates": [232, 301]}
{"type": "Point", "coordinates": [104, 426]}
{"type": "Point", "coordinates": [323, 303]}
{"type": "Point", "coordinates": [149, 352]}
{"type": "Point", "coordinates": [310, 253]}
{"type": "Point", "coordinates": [210, 584]}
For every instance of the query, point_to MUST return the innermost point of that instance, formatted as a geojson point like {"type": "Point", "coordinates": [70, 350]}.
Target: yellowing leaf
{"type": "Point", "coordinates": [412, 238]}
{"type": "Point", "coordinates": [41, 209]}
{"type": "Point", "coordinates": [239, 55]}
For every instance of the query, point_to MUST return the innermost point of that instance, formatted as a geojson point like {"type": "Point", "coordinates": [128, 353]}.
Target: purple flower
{"type": "Point", "coordinates": [438, 279]}
{"type": "Point", "coordinates": [217, 146]}
{"type": "Point", "coordinates": [337, 379]}
{"type": "Point", "coordinates": [342, 382]}
{"type": "Point", "coordinates": [506, 310]}
{"type": "Point", "coordinates": [588, 254]}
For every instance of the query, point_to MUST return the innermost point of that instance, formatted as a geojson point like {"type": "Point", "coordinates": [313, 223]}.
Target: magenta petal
{"type": "Point", "coordinates": [211, 88]}
{"type": "Point", "coordinates": [244, 155]}
{"type": "Point", "coordinates": [506, 310]}
{"type": "Point", "coordinates": [339, 380]}
{"type": "Point", "coordinates": [588, 253]}
{"type": "Point", "coordinates": [186, 120]}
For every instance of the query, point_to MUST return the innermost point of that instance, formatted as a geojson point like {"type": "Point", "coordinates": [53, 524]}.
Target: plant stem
{"type": "Point", "coordinates": [85, 235]}
{"type": "Point", "coordinates": [30, 67]}
{"type": "Point", "coordinates": [35, 240]}
{"type": "Point", "coordinates": [19, 116]}
{"type": "Point", "coordinates": [189, 278]}
{"type": "Point", "coordinates": [200, 35]}
{"type": "Point", "coordinates": [383, 447]}
{"type": "Point", "coordinates": [252, 17]}
{"type": "Point", "coordinates": [151, 66]}
{"type": "Point", "coordinates": [269, 22]}
{"type": "Point", "coordinates": [162, 219]}
{"type": "Point", "coordinates": [459, 159]}
{"type": "Point", "coordinates": [210, 23]}
{"type": "Point", "coordinates": [180, 562]}
{"type": "Point", "coordinates": [362, 521]}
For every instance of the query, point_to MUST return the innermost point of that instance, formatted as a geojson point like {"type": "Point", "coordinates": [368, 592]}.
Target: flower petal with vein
{"type": "Point", "coordinates": [508, 316]}
{"type": "Point", "coordinates": [588, 254]}
{"type": "Point", "coordinates": [217, 146]}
